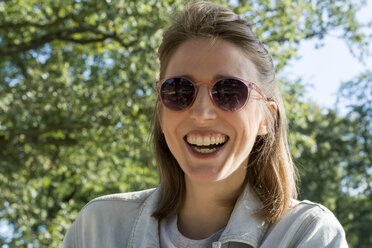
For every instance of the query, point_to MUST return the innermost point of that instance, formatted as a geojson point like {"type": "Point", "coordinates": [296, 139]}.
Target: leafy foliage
{"type": "Point", "coordinates": [356, 96]}
{"type": "Point", "coordinates": [333, 155]}
{"type": "Point", "coordinates": [77, 97]}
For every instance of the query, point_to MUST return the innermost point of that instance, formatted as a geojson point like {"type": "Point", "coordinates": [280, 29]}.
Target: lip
{"type": "Point", "coordinates": [205, 155]}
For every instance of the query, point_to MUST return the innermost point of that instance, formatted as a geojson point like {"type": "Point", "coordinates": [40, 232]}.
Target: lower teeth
{"type": "Point", "coordinates": [205, 150]}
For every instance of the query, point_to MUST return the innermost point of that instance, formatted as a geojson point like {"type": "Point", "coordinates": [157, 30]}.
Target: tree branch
{"type": "Point", "coordinates": [64, 35]}
{"type": "Point", "coordinates": [38, 42]}
{"type": "Point", "coordinates": [52, 141]}
{"type": "Point", "coordinates": [84, 41]}
{"type": "Point", "coordinates": [9, 25]}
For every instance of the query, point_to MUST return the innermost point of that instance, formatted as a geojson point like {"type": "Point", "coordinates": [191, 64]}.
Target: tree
{"type": "Point", "coordinates": [356, 96]}
{"type": "Point", "coordinates": [77, 96]}
{"type": "Point", "coordinates": [333, 154]}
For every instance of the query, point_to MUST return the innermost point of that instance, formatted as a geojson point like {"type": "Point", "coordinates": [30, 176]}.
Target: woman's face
{"type": "Point", "coordinates": [203, 123]}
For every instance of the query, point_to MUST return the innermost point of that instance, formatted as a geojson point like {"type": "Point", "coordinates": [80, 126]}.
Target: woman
{"type": "Point", "coordinates": [227, 179]}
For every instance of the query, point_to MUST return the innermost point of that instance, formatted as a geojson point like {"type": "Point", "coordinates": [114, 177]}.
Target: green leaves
{"type": "Point", "coordinates": [77, 95]}
{"type": "Point", "coordinates": [332, 153]}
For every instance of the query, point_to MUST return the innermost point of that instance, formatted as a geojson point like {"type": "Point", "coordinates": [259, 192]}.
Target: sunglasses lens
{"type": "Point", "coordinates": [177, 93]}
{"type": "Point", "coordinates": [230, 94]}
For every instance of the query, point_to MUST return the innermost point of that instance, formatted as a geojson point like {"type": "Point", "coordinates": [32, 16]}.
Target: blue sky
{"type": "Point", "coordinates": [324, 69]}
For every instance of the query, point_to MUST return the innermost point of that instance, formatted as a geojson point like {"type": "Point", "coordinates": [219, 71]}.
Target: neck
{"type": "Point", "coordinates": [208, 206]}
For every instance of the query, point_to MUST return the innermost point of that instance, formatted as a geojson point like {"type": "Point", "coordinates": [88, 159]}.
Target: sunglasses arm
{"type": "Point", "coordinates": [255, 87]}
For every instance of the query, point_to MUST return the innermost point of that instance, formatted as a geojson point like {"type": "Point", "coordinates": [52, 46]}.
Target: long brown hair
{"type": "Point", "coordinates": [270, 170]}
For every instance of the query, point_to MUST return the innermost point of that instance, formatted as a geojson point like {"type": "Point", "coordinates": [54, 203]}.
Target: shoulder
{"type": "Point", "coordinates": [106, 220]}
{"type": "Point", "coordinates": [313, 215]}
{"type": "Point", "coordinates": [308, 224]}
{"type": "Point", "coordinates": [123, 204]}
{"type": "Point", "coordinates": [309, 211]}
{"type": "Point", "coordinates": [122, 201]}
{"type": "Point", "coordinates": [131, 197]}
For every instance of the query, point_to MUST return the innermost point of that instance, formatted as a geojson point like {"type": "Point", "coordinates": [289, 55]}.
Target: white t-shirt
{"type": "Point", "coordinates": [170, 237]}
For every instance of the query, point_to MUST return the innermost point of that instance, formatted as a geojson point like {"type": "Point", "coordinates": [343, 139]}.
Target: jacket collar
{"type": "Point", "coordinates": [145, 232]}
{"type": "Point", "coordinates": [243, 226]}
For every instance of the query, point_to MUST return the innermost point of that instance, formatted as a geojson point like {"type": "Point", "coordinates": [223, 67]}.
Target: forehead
{"type": "Point", "coordinates": [206, 59]}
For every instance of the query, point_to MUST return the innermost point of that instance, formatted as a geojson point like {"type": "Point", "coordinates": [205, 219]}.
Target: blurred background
{"type": "Point", "coordinates": [77, 93]}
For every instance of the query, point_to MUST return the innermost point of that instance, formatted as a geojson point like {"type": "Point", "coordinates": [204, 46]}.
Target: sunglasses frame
{"type": "Point", "coordinates": [250, 86]}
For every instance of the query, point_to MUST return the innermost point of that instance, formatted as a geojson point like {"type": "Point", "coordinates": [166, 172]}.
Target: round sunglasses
{"type": "Point", "coordinates": [230, 94]}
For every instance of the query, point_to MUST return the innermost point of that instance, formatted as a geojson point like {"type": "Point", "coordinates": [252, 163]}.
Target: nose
{"type": "Point", "coordinates": [203, 109]}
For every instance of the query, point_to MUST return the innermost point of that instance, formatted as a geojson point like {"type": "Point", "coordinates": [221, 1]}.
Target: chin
{"type": "Point", "coordinates": [205, 174]}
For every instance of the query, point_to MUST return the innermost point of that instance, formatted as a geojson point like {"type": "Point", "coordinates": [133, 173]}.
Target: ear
{"type": "Point", "coordinates": [262, 130]}
{"type": "Point", "coordinates": [264, 124]}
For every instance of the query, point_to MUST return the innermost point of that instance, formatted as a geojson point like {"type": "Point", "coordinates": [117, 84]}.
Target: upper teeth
{"type": "Point", "coordinates": [206, 140]}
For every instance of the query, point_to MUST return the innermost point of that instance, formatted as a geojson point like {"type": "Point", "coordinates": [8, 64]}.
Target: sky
{"type": "Point", "coordinates": [325, 68]}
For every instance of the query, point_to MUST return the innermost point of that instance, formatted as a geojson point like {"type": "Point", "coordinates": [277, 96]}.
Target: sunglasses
{"type": "Point", "coordinates": [228, 94]}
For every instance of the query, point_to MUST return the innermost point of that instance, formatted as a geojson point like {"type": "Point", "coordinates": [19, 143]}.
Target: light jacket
{"type": "Point", "coordinates": [124, 220]}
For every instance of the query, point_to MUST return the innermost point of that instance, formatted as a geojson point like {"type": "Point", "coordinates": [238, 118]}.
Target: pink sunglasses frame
{"type": "Point", "coordinates": [249, 85]}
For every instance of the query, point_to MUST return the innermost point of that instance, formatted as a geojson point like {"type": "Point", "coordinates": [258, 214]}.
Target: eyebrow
{"type": "Point", "coordinates": [215, 77]}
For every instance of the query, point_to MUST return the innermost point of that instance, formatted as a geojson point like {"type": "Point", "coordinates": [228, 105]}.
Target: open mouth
{"type": "Point", "coordinates": [207, 144]}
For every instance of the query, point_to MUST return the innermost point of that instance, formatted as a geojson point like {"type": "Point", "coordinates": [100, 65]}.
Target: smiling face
{"type": "Point", "coordinates": [208, 143]}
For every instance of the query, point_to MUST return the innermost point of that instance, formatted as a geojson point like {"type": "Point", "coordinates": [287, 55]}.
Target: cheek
{"type": "Point", "coordinates": [249, 131]}
{"type": "Point", "coordinates": [249, 125]}
{"type": "Point", "coordinates": [171, 124]}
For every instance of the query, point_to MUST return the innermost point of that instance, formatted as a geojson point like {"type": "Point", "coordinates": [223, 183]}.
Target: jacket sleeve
{"type": "Point", "coordinates": [323, 230]}
{"type": "Point", "coordinates": [69, 239]}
